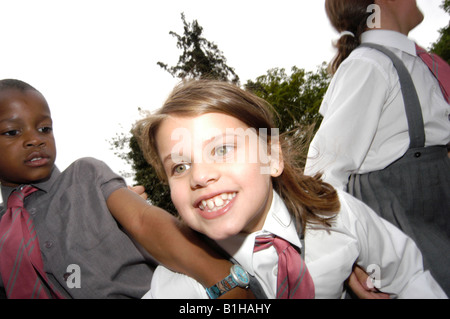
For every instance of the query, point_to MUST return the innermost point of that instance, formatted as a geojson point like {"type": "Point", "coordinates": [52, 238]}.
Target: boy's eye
{"type": "Point", "coordinates": [11, 133]}
{"type": "Point", "coordinates": [46, 129]}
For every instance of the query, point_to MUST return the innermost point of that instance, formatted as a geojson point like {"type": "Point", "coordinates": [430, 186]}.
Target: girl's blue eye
{"type": "Point", "coordinates": [223, 150]}
{"type": "Point", "coordinates": [180, 168]}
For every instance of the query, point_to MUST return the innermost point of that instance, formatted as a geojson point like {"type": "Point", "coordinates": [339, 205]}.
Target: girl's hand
{"type": "Point", "coordinates": [358, 283]}
{"type": "Point", "coordinates": [140, 190]}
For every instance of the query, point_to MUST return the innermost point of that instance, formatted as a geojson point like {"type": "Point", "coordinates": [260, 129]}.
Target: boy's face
{"type": "Point", "coordinates": [27, 145]}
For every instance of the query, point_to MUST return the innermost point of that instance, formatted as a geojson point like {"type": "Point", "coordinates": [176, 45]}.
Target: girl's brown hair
{"type": "Point", "coordinates": [307, 198]}
{"type": "Point", "coordinates": [347, 15]}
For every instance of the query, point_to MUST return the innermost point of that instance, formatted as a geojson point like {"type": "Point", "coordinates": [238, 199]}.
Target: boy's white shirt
{"type": "Point", "coordinates": [357, 235]}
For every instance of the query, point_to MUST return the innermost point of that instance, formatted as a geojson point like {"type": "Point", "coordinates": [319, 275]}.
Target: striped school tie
{"type": "Point", "coordinates": [439, 68]}
{"type": "Point", "coordinates": [293, 280]}
{"type": "Point", "coordinates": [21, 265]}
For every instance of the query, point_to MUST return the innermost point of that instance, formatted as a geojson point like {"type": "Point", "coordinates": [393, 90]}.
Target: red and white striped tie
{"type": "Point", "coordinates": [21, 265]}
{"type": "Point", "coordinates": [293, 280]}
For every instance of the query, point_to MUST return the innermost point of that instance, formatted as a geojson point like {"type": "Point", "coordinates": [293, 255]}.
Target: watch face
{"type": "Point", "coordinates": [240, 275]}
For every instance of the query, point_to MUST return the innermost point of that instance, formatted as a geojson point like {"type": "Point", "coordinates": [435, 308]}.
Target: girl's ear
{"type": "Point", "coordinates": [276, 160]}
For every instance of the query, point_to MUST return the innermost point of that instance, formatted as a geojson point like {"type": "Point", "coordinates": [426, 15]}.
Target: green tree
{"type": "Point", "coordinates": [442, 46]}
{"type": "Point", "coordinates": [200, 58]}
{"type": "Point", "coordinates": [295, 97]}
{"type": "Point", "coordinates": [127, 148]}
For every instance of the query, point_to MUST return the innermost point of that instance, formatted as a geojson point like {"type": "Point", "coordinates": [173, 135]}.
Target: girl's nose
{"type": "Point", "coordinates": [203, 174]}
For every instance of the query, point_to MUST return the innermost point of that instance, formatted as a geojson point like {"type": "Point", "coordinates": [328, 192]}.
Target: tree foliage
{"type": "Point", "coordinates": [442, 46]}
{"type": "Point", "coordinates": [127, 148]}
{"type": "Point", "coordinates": [200, 58]}
{"type": "Point", "coordinates": [296, 98]}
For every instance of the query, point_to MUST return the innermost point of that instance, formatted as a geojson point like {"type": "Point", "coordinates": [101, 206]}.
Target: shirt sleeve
{"type": "Point", "coordinates": [351, 110]}
{"type": "Point", "coordinates": [100, 174]}
{"type": "Point", "coordinates": [391, 258]}
{"type": "Point", "coordinates": [167, 284]}
{"type": "Point", "coordinates": [83, 232]}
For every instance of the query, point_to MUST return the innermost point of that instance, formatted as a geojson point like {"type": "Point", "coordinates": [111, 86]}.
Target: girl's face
{"type": "Point", "coordinates": [218, 173]}
{"type": "Point", "coordinates": [410, 13]}
{"type": "Point", "coordinates": [402, 15]}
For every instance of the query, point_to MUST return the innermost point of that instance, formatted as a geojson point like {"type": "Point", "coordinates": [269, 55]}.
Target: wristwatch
{"type": "Point", "coordinates": [238, 277]}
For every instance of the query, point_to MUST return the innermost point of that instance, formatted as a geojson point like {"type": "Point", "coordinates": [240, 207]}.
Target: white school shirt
{"type": "Point", "coordinates": [358, 235]}
{"type": "Point", "coordinates": [364, 128]}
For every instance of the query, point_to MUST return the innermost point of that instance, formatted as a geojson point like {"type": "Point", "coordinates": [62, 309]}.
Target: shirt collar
{"type": "Point", "coordinates": [278, 222]}
{"type": "Point", "coordinates": [44, 185]}
{"type": "Point", "coordinates": [391, 39]}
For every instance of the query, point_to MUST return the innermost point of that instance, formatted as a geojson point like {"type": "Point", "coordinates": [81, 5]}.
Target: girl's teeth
{"type": "Point", "coordinates": [217, 202]}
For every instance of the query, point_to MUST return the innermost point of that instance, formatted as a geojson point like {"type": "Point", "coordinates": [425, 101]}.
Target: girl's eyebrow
{"type": "Point", "coordinates": [167, 158]}
{"type": "Point", "coordinates": [223, 135]}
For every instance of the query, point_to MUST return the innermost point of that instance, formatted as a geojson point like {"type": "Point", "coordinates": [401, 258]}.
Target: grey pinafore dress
{"type": "Point", "coordinates": [413, 193]}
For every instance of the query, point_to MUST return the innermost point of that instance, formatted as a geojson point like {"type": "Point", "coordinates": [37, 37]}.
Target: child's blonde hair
{"type": "Point", "coordinates": [307, 198]}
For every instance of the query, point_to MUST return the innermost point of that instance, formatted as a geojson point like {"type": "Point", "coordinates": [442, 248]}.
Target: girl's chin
{"type": "Point", "coordinates": [219, 234]}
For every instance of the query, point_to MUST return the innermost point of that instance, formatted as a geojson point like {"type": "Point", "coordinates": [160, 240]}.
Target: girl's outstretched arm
{"type": "Point", "coordinates": [170, 242]}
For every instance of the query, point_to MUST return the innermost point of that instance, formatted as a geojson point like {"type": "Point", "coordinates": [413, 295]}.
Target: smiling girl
{"type": "Point", "coordinates": [221, 189]}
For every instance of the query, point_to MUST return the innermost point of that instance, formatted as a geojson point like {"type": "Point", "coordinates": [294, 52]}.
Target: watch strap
{"type": "Point", "coordinates": [221, 287]}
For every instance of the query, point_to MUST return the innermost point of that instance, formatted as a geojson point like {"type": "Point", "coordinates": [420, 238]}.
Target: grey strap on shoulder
{"type": "Point", "coordinates": [410, 98]}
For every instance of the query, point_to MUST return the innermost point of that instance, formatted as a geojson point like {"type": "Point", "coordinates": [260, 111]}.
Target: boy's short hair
{"type": "Point", "coordinates": [15, 84]}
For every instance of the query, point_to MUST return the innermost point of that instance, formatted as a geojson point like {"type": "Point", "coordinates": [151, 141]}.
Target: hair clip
{"type": "Point", "coordinates": [346, 33]}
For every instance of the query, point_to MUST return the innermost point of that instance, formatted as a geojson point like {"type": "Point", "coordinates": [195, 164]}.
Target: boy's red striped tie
{"type": "Point", "coordinates": [21, 265]}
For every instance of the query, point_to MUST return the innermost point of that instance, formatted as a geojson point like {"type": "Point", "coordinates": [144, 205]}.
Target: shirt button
{"type": "Point", "coordinates": [48, 244]}
{"type": "Point", "coordinates": [275, 271]}
{"type": "Point", "coordinates": [32, 211]}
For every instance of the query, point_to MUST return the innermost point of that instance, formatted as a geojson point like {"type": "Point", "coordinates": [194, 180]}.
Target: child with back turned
{"type": "Point", "coordinates": [386, 131]}
{"type": "Point", "coordinates": [237, 183]}
{"type": "Point", "coordinates": [54, 223]}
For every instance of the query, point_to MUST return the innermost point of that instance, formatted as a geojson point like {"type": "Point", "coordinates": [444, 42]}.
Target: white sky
{"type": "Point", "coordinates": [95, 61]}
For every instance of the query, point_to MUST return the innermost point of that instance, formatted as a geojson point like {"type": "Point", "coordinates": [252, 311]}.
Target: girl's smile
{"type": "Point", "coordinates": [213, 207]}
{"type": "Point", "coordinates": [216, 182]}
